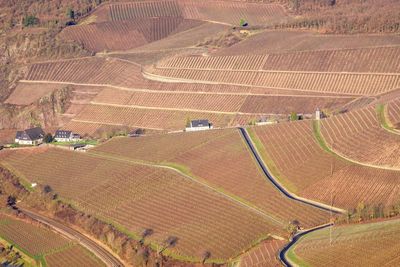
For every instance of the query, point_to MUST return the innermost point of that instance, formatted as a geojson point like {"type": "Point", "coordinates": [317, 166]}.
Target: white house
{"type": "Point", "coordinates": [33, 136]}
{"type": "Point", "coordinates": [199, 125]}
{"type": "Point", "coordinates": [66, 136]}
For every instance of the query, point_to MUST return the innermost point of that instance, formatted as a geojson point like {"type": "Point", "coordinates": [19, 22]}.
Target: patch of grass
{"type": "Point", "coordinates": [320, 139]}
{"type": "Point", "coordinates": [21, 178]}
{"type": "Point", "coordinates": [86, 142]}
{"type": "Point", "coordinates": [381, 111]}
{"type": "Point", "coordinates": [291, 255]}
{"type": "Point", "coordinates": [28, 260]}
{"type": "Point", "coordinates": [269, 162]}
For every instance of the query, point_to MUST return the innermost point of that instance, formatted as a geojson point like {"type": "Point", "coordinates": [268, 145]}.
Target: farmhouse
{"type": "Point", "coordinates": [32, 136]}
{"type": "Point", "coordinates": [66, 136]}
{"type": "Point", "coordinates": [199, 125]}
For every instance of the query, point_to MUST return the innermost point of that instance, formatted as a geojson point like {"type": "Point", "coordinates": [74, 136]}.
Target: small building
{"type": "Point", "coordinates": [66, 136]}
{"type": "Point", "coordinates": [199, 125]}
{"type": "Point", "coordinates": [32, 136]}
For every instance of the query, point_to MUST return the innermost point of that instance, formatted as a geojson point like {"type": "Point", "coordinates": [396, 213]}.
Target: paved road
{"type": "Point", "coordinates": [278, 186]}
{"type": "Point", "coordinates": [282, 256]}
{"type": "Point", "coordinates": [108, 258]}
{"type": "Point", "coordinates": [289, 195]}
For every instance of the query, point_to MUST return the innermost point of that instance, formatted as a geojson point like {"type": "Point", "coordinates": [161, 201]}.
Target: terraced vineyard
{"type": "Point", "coordinates": [344, 83]}
{"type": "Point", "coordinates": [268, 42]}
{"type": "Point", "coordinates": [94, 70]}
{"type": "Point", "coordinates": [394, 112]}
{"type": "Point", "coordinates": [235, 171]}
{"type": "Point", "coordinates": [217, 11]}
{"type": "Point", "coordinates": [36, 242]}
{"type": "Point", "coordinates": [229, 103]}
{"type": "Point", "coordinates": [369, 60]}
{"type": "Point", "coordinates": [356, 245]}
{"type": "Point", "coordinates": [160, 199]}
{"type": "Point", "coordinates": [124, 35]}
{"type": "Point", "coordinates": [294, 156]}
{"type": "Point", "coordinates": [264, 255]}
{"type": "Point", "coordinates": [74, 256]}
{"type": "Point", "coordinates": [359, 136]}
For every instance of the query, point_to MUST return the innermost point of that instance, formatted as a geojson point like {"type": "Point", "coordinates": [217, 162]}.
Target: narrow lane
{"type": "Point", "coordinates": [276, 183]}
{"type": "Point", "coordinates": [282, 257]}
{"type": "Point", "coordinates": [108, 258]}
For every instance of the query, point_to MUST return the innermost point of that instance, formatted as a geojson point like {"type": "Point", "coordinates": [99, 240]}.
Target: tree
{"type": "Point", "coordinates": [30, 20]}
{"type": "Point", "coordinates": [243, 23]}
{"type": "Point", "coordinates": [293, 227]}
{"type": "Point", "coordinates": [71, 13]}
{"type": "Point", "coordinates": [48, 138]}
{"type": "Point", "coordinates": [11, 201]}
{"type": "Point", "coordinates": [294, 116]}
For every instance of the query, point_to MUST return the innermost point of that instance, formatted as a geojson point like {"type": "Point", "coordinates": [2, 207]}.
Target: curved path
{"type": "Point", "coordinates": [108, 258]}
{"type": "Point", "coordinates": [282, 256]}
{"type": "Point", "coordinates": [278, 185]}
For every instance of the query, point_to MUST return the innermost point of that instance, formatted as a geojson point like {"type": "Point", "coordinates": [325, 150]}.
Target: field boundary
{"type": "Point", "coordinates": [278, 185]}
{"type": "Point", "coordinates": [331, 95]}
{"type": "Point", "coordinates": [321, 141]}
{"type": "Point", "coordinates": [230, 197]}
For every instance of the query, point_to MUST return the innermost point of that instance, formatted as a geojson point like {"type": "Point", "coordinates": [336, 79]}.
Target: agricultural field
{"type": "Point", "coordinates": [224, 12]}
{"type": "Point", "coordinates": [43, 245]}
{"type": "Point", "coordinates": [342, 83]}
{"type": "Point", "coordinates": [359, 136]}
{"type": "Point", "coordinates": [393, 111]}
{"type": "Point", "coordinates": [368, 244]}
{"type": "Point", "coordinates": [257, 70]}
{"type": "Point", "coordinates": [284, 41]}
{"type": "Point", "coordinates": [26, 94]}
{"type": "Point", "coordinates": [366, 60]}
{"type": "Point", "coordinates": [264, 255]}
{"type": "Point", "coordinates": [236, 173]}
{"type": "Point", "coordinates": [297, 160]}
{"type": "Point", "coordinates": [150, 198]}
{"type": "Point", "coordinates": [125, 35]}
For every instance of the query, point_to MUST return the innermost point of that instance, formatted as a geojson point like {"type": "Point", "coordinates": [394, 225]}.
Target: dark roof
{"type": "Point", "coordinates": [35, 133]}
{"type": "Point", "coordinates": [30, 134]}
{"type": "Point", "coordinates": [62, 134]}
{"type": "Point", "coordinates": [200, 123]}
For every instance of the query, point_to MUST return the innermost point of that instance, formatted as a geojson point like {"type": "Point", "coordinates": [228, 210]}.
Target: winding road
{"type": "Point", "coordinates": [107, 257]}
{"type": "Point", "coordinates": [278, 185]}
{"type": "Point", "coordinates": [282, 256]}
{"type": "Point", "coordinates": [286, 193]}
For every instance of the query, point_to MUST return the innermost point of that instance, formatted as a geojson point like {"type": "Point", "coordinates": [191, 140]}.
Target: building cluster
{"type": "Point", "coordinates": [35, 136]}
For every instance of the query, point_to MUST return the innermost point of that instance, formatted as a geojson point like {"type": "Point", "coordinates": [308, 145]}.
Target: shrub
{"type": "Point", "coordinates": [30, 20]}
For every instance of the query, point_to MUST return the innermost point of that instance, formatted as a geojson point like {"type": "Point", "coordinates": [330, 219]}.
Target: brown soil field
{"type": "Point", "coordinates": [358, 135]}
{"type": "Point", "coordinates": [27, 93]}
{"type": "Point", "coordinates": [74, 256]}
{"type": "Point", "coordinates": [37, 241]}
{"type": "Point", "coordinates": [170, 204]}
{"type": "Point", "coordinates": [370, 244]}
{"type": "Point", "coordinates": [289, 40]}
{"type": "Point", "coordinates": [94, 70]}
{"type": "Point", "coordinates": [215, 11]}
{"type": "Point", "coordinates": [369, 60]}
{"type": "Point", "coordinates": [294, 156]}
{"type": "Point", "coordinates": [394, 112]}
{"type": "Point", "coordinates": [125, 35]}
{"type": "Point", "coordinates": [156, 119]}
{"type": "Point", "coordinates": [264, 255]}
{"type": "Point", "coordinates": [256, 104]}
{"type": "Point", "coordinates": [343, 83]}
{"type": "Point", "coordinates": [236, 173]}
